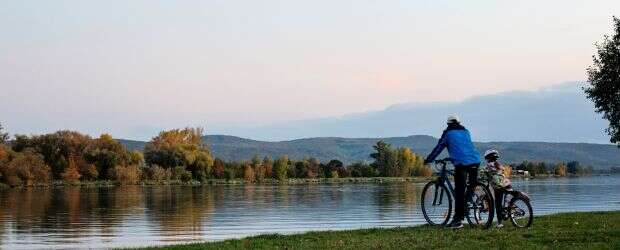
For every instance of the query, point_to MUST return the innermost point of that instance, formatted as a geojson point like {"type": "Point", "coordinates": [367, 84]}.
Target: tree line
{"type": "Point", "coordinates": [557, 169]}
{"type": "Point", "coordinates": [173, 155]}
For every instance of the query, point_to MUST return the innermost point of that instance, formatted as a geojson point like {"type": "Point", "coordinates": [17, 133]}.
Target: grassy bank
{"type": "Point", "coordinates": [593, 230]}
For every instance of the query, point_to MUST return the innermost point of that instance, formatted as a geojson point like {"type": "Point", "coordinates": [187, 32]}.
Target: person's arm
{"type": "Point", "coordinates": [443, 142]}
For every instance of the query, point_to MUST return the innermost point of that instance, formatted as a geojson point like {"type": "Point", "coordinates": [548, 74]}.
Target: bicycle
{"type": "Point", "coordinates": [437, 200]}
{"type": "Point", "coordinates": [516, 205]}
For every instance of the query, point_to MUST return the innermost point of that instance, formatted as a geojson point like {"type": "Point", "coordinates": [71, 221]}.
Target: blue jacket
{"type": "Point", "coordinates": [460, 147]}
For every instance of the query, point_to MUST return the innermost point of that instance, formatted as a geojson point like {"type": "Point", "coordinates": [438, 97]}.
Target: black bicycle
{"type": "Point", "coordinates": [516, 205]}
{"type": "Point", "coordinates": [437, 201]}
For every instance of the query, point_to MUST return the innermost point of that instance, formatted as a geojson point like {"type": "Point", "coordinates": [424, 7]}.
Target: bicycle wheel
{"type": "Point", "coordinates": [479, 208]}
{"type": "Point", "coordinates": [436, 203]}
{"type": "Point", "coordinates": [520, 212]}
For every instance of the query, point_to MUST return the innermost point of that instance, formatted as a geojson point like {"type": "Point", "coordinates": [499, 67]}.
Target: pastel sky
{"type": "Point", "coordinates": [133, 67]}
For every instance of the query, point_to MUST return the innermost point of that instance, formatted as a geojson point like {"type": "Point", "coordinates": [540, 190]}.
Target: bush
{"type": "Point", "coordinates": [180, 173]}
{"type": "Point", "coordinates": [361, 169]}
{"type": "Point", "coordinates": [158, 174]}
{"type": "Point", "coordinates": [334, 174]}
{"type": "Point", "coordinates": [126, 174]}
{"type": "Point", "coordinates": [229, 173]}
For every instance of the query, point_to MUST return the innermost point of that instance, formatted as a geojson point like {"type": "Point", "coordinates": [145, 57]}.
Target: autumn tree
{"type": "Point", "coordinates": [4, 137]}
{"type": "Point", "coordinates": [259, 169]}
{"type": "Point", "coordinates": [26, 168]}
{"type": "Point", "coordinates": [604, 81]}
{"type": "Point", "coordinates": [406, 161]}
{"type": "Point", "coordinates": [55, 148]}
{"type": "Point", "coordinates": [71, 173]}
{"type": "Point", "coordinates": [313, 168]}
{"type": "Point", "coordinates": [248, 173]}
{"type": "Point", "coordinates": [268, 165]}
{"type": "Point", "coordinates": [105, 153]}
{"type": "Point", "coordinates": [560, 169]}
{"type": "Point", "coordinates": [218, 168]}
{"type": "Point", "coordinates": [180, 147]}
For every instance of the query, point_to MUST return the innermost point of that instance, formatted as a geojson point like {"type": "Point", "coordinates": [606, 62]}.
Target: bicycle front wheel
{"type": "Point", "coordinates": [479, 206]}
{"type": "Point", "coordinates": [436, 203]}
{"type": "Point", "coordinates": [520, 212]}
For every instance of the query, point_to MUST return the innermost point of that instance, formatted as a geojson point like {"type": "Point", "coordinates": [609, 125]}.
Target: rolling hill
{"type": "Point", "coordinates": [560, 113]}
{"type": "Point", "coordinates": [358, 149]}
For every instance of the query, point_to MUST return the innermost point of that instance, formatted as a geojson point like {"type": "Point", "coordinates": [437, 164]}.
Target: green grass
{"type": "Point", "coordinates": [593, 230]}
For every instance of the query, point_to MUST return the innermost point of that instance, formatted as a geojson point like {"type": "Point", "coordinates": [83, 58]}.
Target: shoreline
{"type": "Point", "coordinates": [291, 181]}
{"type": "Point", "coordinates": [233, 182]}
{"type": "Point", "coordinates": [585, 230]}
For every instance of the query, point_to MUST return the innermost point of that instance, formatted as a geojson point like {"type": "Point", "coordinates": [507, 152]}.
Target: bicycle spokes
{"type": "Point", "coordinates": [479, 207]}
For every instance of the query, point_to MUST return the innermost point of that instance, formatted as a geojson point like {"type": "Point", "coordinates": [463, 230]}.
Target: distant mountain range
{"type": "Point", "coordinates": [358, 149]}
{"type": "Point", "coordinates": [556, 114]}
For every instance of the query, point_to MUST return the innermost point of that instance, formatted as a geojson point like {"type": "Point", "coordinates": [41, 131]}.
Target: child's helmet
{"type": "Point", "coordinates": [491, 154]}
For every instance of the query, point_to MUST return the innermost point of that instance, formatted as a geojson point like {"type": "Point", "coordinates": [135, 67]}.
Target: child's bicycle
{"type": "Point", "coordinates": [516, 205]}
{"type": "Point", "coordinates": [436, 200]}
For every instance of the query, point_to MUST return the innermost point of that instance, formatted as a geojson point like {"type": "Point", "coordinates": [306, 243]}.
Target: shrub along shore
{"type": "Point", "coordinates": [589, 230]}
{"type": "Point", "coordinates": [179, 157]}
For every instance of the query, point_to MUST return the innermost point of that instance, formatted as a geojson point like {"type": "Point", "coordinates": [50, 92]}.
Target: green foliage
{"type": "Point", "coordinates": [560, 169]}
{"type": "Point", "coordinates": [280, 168]}
{"type": "Point", "coordinates": [336, 169]}
{"type": "Point", "coordinates": [361, 169]}
{"type": "Point", "coordinates": [180, 173]}
{"type": "Point", "coordinates": [301, 169]}
{"type": "Point", "coordinates": [604, 81]}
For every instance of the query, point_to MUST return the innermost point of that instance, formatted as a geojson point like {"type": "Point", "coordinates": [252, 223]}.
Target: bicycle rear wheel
{"type": "Point", "coordinates": [436, 203]}
{"type": "Point", "coordinates": [479, 206]}
{"type": "Point", "coordinates": [520, 212]}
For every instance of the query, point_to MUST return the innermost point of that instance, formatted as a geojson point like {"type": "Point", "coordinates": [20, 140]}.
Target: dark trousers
{"type": "Point", "coordinates": [499, 194]}
{"type": "Point", "coordinates": [499, 199]}
{"type": "Point", "coordinates": [462, 175]}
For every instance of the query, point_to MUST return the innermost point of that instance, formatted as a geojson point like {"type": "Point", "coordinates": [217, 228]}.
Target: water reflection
{"type": "Point", "coordinates": [73, 217]}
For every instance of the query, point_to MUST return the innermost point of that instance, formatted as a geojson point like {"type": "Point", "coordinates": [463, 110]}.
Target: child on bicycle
{"type": "Point", "coordinates": [494, 171]}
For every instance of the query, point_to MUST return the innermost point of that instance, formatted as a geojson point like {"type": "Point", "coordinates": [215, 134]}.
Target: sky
{"type": "Point", "coordinates": [132, 68]}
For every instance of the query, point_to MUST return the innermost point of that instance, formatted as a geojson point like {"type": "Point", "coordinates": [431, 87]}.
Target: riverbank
{"type": "Point", "coordinates": [589, 230]}
{"type": "Point", "coordinates": [290, 181]}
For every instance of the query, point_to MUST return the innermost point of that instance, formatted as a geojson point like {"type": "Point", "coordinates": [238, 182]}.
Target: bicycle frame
{"type": "Point", "coordinates": [443, 178]}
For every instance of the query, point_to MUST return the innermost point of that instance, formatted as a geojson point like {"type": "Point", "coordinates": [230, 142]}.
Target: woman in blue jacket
{"type": "Point", "coordinates": [465, 158]}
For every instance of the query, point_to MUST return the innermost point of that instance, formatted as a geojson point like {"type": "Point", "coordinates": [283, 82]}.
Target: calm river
{"type": "Point", "coordinates": [141, 216]}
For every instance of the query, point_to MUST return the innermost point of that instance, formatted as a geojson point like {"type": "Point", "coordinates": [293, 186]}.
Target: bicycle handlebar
{"type": "Point", "coordinates": [443, 161]}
